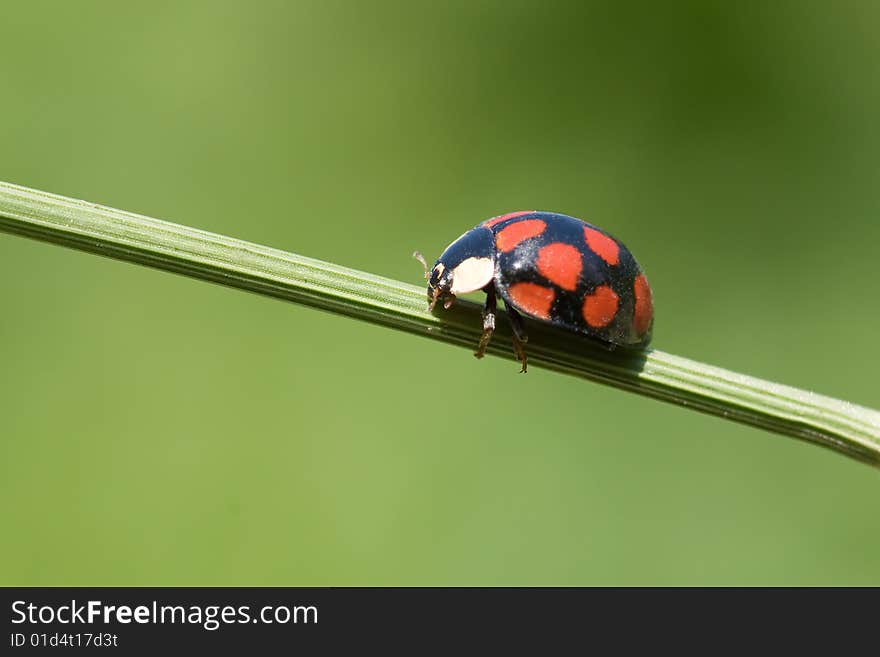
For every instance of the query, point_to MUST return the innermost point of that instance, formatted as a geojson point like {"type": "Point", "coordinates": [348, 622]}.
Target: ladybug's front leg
{"type": "Point", "coordinates": [488, 321]}
{"type": "Point", "coordinates": [519, 336]}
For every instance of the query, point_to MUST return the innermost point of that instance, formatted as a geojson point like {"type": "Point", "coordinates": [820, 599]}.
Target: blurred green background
{"type": "Point", "coordinates": [160, 430]}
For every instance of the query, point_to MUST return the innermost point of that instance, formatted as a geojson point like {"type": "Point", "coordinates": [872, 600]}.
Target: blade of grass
{"type": "Point", "coordinates": [839, 425]}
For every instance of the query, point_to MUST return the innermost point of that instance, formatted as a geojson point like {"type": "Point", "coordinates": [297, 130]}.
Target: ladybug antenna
{"type": "Point", "coordinates": [418, 256]}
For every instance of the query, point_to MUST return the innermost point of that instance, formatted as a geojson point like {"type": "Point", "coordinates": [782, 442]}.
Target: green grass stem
{"type": "Point", "coordinates": [838, 425]}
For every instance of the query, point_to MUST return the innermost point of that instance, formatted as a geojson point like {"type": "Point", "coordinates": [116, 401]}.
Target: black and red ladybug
{"type": "Point", "coordinates": [552, 268]}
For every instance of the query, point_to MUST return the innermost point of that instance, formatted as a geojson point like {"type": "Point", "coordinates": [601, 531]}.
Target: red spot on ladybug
{"type": "Point", "coordinates": [560, 264]}
{"type": "Point", "coordinates": [644, 310]}
{"type": "Point", "coordinates": [605, 247]}
{"type": "Point", "coordinates": [600, 307]}
{"type": "Point", "coordinates": [532, 298]}
{"type": "Point", "coordinates": [509, 236]}
{"type": "Point", "coordinates": [504, 217]}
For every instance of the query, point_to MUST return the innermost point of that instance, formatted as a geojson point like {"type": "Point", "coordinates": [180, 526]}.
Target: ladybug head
{"type": "Point", "coordinates": [440, 286]}
{"type": "Point", "coordinates": [439, 282]}
{"type": "Point", "coordinates": [467, 265]}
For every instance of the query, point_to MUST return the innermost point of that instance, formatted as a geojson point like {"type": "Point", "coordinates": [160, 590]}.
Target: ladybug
{"type": "Point", "coordinates": [552, 268]}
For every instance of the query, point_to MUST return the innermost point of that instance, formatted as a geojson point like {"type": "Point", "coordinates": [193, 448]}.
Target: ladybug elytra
{"type": "Point", "coordinates": [552, 268]}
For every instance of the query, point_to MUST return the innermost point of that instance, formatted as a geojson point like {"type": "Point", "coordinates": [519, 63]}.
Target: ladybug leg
{"type": "Point", "coordinates": [520, 352]}
{"type": "Point", "coordinates": [519, 337]}
{"type": "Point", "coordinates": [488, 321]}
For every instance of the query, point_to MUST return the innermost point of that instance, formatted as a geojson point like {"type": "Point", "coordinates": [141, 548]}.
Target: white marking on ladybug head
{"type": "Point", "coordinates": [472, 274]}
